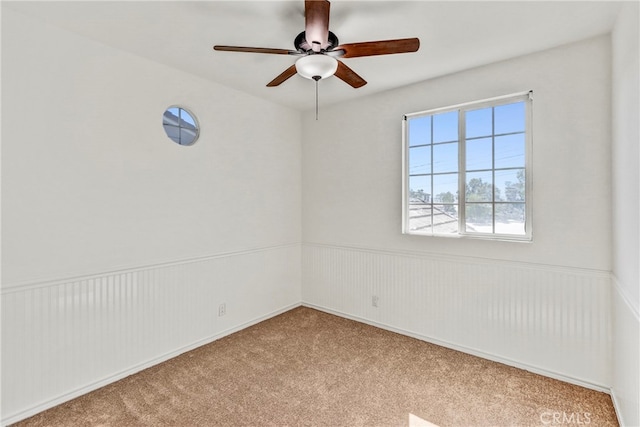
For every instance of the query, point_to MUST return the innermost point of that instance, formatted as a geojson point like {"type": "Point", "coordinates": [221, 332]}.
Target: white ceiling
{"type": "Point", "coordinates": [454, 35]}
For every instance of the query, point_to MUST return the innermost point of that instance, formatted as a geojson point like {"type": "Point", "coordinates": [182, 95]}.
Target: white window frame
{"type": "Point", "coordinates": [527, 97]}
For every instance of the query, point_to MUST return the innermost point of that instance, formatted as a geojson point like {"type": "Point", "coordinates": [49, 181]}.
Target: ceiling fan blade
{"type": "Point", "coordinates": [381, 47]}
{"type": "Point", "coordinates": [255, 50]}
{"type": "Point", "coordinates": [316, 23]}
{"type": "Point", "coordinates": [349, 76]}
{"type": "Point", "coordinates": [283, 76]}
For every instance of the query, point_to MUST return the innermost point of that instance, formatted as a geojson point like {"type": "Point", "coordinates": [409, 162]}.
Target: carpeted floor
{"type": "Point", "coordinates": [308, 368]}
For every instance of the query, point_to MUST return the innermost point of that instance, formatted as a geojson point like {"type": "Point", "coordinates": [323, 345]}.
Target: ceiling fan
{"type": "Point", "coordinates": [318, 49]}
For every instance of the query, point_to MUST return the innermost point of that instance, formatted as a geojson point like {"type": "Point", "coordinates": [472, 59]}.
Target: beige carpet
{"type": "Point", "coordinates": [306, 368]}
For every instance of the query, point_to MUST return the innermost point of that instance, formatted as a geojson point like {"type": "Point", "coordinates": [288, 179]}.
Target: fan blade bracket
{"type": "Point", "coordinates": [336, 53]}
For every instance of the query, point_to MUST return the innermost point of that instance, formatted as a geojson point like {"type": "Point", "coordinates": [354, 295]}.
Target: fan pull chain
{"type": "Point", "coordinates": [316, 78]}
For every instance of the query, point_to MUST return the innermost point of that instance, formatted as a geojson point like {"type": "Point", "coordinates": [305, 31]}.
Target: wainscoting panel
{"type": "Point", "coordinates": [547, 319]}
{"type": "Point", "coordinates": [64, 338]}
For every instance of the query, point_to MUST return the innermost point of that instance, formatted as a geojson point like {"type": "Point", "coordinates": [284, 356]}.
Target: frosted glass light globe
{"type": "Point", "coordinates": [321, 66]}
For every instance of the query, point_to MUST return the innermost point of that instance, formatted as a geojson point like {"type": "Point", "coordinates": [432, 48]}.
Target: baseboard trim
{"type": "Point", "coordinates": [14, 418]}
{"type": "Point", "coordinates": [632, 309]}
{"type": "Point", "coordinates": [468, 350]}
{"type": "Point", "coordinates": [616, 407]}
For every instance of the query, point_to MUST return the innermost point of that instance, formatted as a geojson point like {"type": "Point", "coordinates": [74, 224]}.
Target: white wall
{"type": "Point", "coordinates": [541, 305]}
{"type": "Point", "coordinates": [119, 245]}
{"type": "Point", "coordinates": [81, 174]}
{"type": "Point", "coordinates": [626, 214]}
{"type": "Point", "coordinates": [87, 164]}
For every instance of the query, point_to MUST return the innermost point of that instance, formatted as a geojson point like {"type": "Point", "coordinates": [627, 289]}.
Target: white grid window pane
{"type": "Point", "coordinates": [445, 127]}
{"type": "Point", "coordinates": [445, 157]}
{"type": "Point", "coordinates": [479, 123]}
{"type": "Point", "coordinates": [420, 131]}
{"type": "Point", "coordinates": [479, 149]}
{"type": "Point", "coordinates": [479, 187]}
{"type": "Point", "coordinates": [479, 154]}
{"type": "Point", "coordinates": [509, 118]}
{"type": "Point", "coordinates": [510, 218]}
{"type": "Point", "coordinates": [509, 151]}
{"type": "Point", "coordinates": [445, 188]}
{"type": "Point", "coordinates": [510, 185]}
{"type": "Point", "coordinates": [479, 217]}
{"type": "Point", "coordinates": [419, 160]}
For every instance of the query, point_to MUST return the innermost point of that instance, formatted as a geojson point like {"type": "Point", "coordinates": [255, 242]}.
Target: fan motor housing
{"type": "Point", "coordinates": [302, 45]}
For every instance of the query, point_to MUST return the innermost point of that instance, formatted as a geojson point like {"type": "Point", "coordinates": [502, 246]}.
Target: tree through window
{"type": "Point", "coordinates": [466, 169]}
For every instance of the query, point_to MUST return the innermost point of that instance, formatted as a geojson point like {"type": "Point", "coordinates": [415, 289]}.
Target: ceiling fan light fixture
{"type": "Point", "coordinates": [316, 66]}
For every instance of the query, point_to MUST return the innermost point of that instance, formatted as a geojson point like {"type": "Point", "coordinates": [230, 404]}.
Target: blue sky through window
{"type": "Point", "coordinates": [445, 127]}
{"type": "Point", "coordinates": [494, 166]}
{"type": "Point", "coordinates": [509, 118]}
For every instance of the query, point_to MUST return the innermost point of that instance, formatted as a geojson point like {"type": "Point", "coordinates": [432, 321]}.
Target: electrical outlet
{"type": "Point", "coordinates": [374, 300]}
{"type": "Point", "coordinates": [222, 309]}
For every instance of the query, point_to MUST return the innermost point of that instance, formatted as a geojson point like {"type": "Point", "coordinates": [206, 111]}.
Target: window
{"type": "Point", "coordinates": [467, 170]}
{"type": "Point", "coordinates": [180, 125]}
